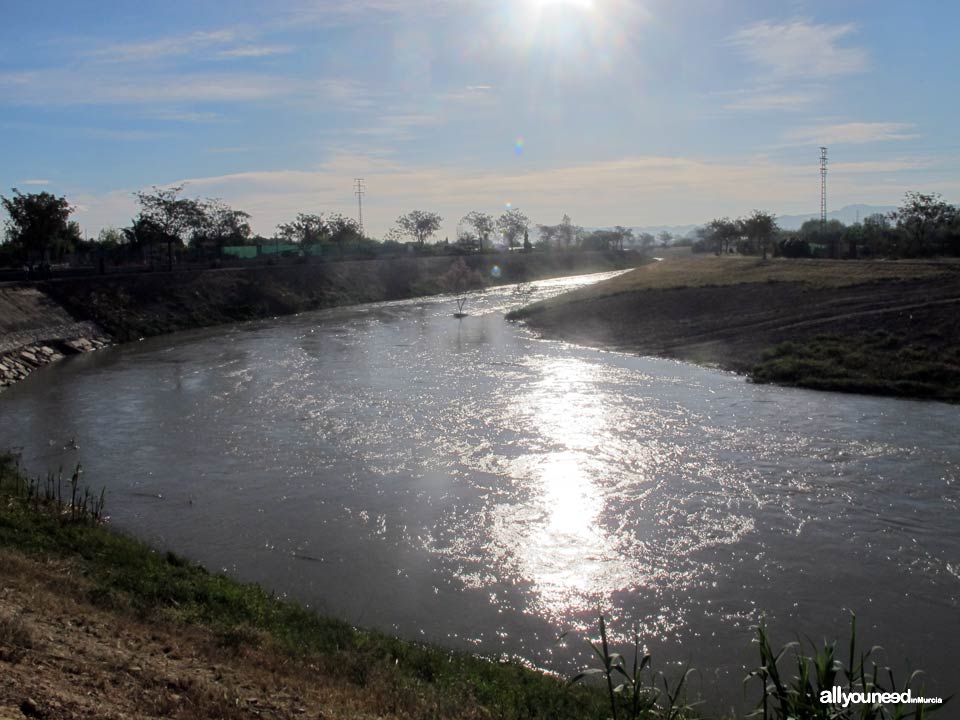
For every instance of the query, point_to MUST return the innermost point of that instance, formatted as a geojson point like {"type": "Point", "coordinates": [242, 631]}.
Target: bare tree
{"type": "Point", "coordinates": [458, 280]}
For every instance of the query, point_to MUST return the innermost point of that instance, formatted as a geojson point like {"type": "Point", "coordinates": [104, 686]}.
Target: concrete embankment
{"type": "Point", "coordinates": [42, 322]}
{"type": "Point", "coordinates": [35, 330]}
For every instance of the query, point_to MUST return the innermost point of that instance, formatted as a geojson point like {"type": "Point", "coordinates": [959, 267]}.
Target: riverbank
{"type": "Point", "coordinates": [42, 322]}
{"type": "Point", "coordinates": [889, 328]}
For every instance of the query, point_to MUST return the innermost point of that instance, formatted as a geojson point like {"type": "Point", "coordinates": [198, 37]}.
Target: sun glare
{"type": "Point", "coordinates": [583, 4]}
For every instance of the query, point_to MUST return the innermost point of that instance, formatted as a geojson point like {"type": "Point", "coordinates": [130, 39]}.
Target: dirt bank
{"type": "Point", "coordinates": [62, 656]}
{"type": "Point", "coordinates": [863, 327]}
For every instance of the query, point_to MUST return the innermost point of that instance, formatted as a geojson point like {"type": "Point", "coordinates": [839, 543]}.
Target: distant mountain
{"type": "Point", "coordinates": [847, 215]}
{"type": "Point", "coordinates": [678, 231]}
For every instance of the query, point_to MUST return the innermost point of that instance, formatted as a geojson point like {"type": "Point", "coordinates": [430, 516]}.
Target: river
{"type": "Point", "coordinates": [468, 483]}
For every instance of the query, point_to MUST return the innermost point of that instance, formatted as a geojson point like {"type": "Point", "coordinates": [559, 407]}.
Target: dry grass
{"type": "Point", "coordinates": [677, 271]}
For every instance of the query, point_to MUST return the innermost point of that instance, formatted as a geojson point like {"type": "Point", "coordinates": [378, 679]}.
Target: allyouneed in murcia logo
{"type": "Point", "coordinates": [837, 696]}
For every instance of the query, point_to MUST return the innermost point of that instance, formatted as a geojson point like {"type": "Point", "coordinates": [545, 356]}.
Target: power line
{"type": "Point", "coordinates": [360, 190]}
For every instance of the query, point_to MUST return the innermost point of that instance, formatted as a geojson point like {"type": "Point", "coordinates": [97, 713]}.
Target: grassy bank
{"type": "Point", "coordinates": [876, 362]}
{"type": "Point", "coordinates": [878, 327]}
{"type": "Point", "coordinates": [97, 624]}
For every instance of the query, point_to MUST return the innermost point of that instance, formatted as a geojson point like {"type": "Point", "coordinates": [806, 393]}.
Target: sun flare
{"type": "Point", "coordinates": [582, 4]}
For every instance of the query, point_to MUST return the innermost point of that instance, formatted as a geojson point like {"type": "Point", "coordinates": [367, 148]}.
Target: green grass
{"type": "Point", "coordinates": [878, 362]}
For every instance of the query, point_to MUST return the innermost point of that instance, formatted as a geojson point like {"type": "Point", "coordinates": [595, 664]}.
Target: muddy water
{"type": "Point", "coordinates": [468, 483]}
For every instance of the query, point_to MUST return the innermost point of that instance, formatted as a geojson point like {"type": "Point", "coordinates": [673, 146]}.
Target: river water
{"type": "Point", "coordinates": [468, 483]}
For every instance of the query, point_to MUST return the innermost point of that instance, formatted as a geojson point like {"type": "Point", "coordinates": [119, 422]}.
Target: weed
{"type": "Point", "coordinates": [635, 691]}
{"type": "Point", "coordinates": [820, 669]}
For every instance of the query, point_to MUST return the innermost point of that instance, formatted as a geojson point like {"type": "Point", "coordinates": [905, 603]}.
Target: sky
{"type": "Point", "coordinates": [630, 112]}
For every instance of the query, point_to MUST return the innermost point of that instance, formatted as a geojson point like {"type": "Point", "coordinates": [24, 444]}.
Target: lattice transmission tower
{"type": "Point", "coordinates": [823, 187]}
{"type": "Point", "coordinates": [359, 190]}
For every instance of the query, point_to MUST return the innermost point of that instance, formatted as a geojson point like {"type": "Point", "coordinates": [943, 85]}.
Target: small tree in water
{"type": "Point", "coordinates": [457, 281]}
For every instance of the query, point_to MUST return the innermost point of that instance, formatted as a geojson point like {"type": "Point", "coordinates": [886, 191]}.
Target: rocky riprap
{"type": "Point", "coordinates": [19, 363]}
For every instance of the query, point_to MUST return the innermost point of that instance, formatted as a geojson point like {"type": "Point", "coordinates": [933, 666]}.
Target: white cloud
{"type": "Point", "coordinates": [162, 47]}
{"type": "Point", "coordinates": [186, 116]}
{"type": "Point", "coordinates": [853, 133]}
{"type": "Point", "coordinates": [800, 49]}
{"type": "Point", "coordinates": [84, 86]}
{"type": "Point", "coordinates": [255, 51]}
{"type": "Point", "coordinates": [772, 98]}
{"type": "Point", "coordinates": [35, 182]}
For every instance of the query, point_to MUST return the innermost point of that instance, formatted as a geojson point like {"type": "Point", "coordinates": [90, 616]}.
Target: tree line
{"type": "Point", "coordinates": [171, 226]}
{"type": "Point", "coordinates": [923, 226]}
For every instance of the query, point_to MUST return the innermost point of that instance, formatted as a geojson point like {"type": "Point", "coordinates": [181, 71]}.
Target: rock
{"type": "Point", "coordinates": [29, 357]}
{"type": "Point", "coordinates": [30, 708]}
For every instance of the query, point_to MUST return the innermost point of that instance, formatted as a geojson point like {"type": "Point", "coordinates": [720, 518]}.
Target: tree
{"type": "Point", "coordinates": [547, 235]}
{"type": "Point", "coordinates": [664, 237]}
{"type": "Point", "coordinates": [828, 234]}
{"type": "Point", "coordinates": [513, 225]}
{"type": "Point", "coordinates": [39, 224]}
{"type": "Point", "coordinates": [458, 280]}
{"type": "Point", "coordinates": [601, 240]}
{"type": "Point", "coordinates": [759, 229]}
{"type": "Point", "coordinates": [343, 230]}
{"type": "Point", "coordinates": [110, 237]}
{"type": "Point", "coordinates": [483, 225]}
{"type": "Point", "coordinates": [170, 216]}
{"type": "Point", "coordinates": [143, 232]}
{"type": "Point", "coordinates": [920, 216]}
{"type": "Point", "coordinates": [646, 241]}
{"type": "Point", "coordinates": [723, 232]}
{"type": "Point", "coordinates": [305, 230]}
{"type": "Point", "coordinates": [218, 224]}
{"type": "Point", "coordinates": [419, 225]}
{"type": "Point", "coordinates": [624, 236]}
{"type": "Point", "coordinates": [568, 233]}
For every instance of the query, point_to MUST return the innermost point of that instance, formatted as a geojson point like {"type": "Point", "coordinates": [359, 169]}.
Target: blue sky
{"type": "Point", "coordinates": [633, 112]}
